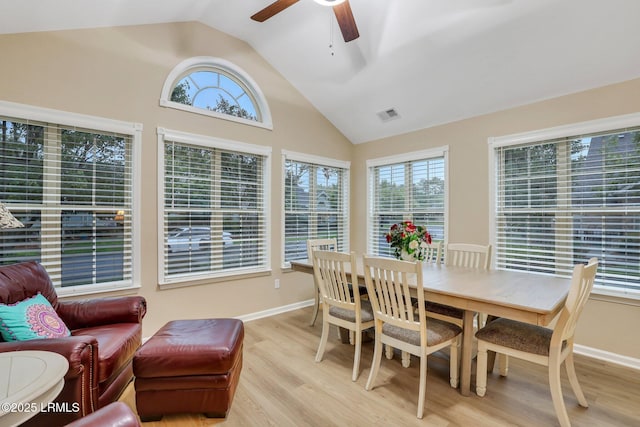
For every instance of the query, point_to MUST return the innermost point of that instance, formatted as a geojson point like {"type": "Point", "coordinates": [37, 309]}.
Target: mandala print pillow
{"type": "Point", "coordinates": [33, 318]}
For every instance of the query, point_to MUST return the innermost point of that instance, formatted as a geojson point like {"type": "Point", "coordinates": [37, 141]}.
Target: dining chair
{"type": "Point", "coordinates": [433, 256]}
{"type": "Point", "coordinates": [461, 255]}
{"type": "Point", "coordinates": [330, 244]}
{"type": "Point", "coordinates": [537, 344]}
{"type": "Point", "coordinates": [389, 284]}
{"type": "Point", "coordinates": [341, 303]}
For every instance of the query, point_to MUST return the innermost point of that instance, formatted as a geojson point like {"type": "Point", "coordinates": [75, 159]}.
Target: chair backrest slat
{"type": "Point", "coordinates": [581, 285]}
{"type": "Point", "coordinates": [434, 253]}
{"type": "Point", "coordinates": [389, 285]}
{"type": "Point", "coordinates": [321, 244]}
{"type": "Point", "coordinates": [331, 271]}
{"type": "Point", "coordinates": [468, 255]}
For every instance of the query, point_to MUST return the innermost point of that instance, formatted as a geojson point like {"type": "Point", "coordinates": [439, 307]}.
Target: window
{"type": "Point", "coordinates": [213, 218]}
{"type": "Point", "coordinates": [566, 194]}
{"type": "Point", "coordinates": [218, 88]}
{"type": "Point", "coordinates": [69, 179]}
{"type": "Point", "coordinates": [409, 187]}
{"type": "Point", "coordinates": [316, 202]}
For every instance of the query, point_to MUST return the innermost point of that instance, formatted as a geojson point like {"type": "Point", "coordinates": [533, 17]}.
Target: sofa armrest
{"type": "Point", "coordinates": [102, 311]}
{"type": "Point", "coordinates": [81, 380]}
{"type": "Point", "coordinates": [81, 351]}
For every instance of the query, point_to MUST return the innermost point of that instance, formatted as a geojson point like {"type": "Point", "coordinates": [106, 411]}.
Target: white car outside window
{"type": "Point", "coordinates": [193, 239]}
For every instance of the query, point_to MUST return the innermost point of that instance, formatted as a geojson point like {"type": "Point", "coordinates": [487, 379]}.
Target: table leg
{"type": "Point", "coordinates": [467, 347]}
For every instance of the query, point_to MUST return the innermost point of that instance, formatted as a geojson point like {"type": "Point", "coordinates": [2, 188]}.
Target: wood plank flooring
{"type": "Point", "coordinates": [281, 385]}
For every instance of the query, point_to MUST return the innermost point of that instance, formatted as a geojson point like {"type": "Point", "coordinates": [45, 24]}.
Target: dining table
{"type": "Point", "coordinates": [520, 295]}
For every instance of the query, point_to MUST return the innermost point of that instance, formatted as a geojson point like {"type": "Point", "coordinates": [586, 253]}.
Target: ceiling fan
{"type": "Point", "coordinates": [341, 9]}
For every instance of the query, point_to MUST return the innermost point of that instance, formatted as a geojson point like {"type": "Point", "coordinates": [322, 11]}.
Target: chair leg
{"type": "Point", "coordinates": [356, 356]}
{"type": "Point", "coordinates": [481, 370]}
{"type": "Point", "coordinates": [423, 385]}
{"type": "Point", "coordinates": [316, 304]}
{"type": "Point", "coordinates": [556, 392]}
{"type": "Point", "coordinates": [573, 380]}
{"type": "Point", "coordinates": [323, 340]}
{"type": "Point", "coordinates": [375, 363]}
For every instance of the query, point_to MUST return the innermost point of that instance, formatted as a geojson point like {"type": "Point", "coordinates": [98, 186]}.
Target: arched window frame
{"type": "Point", "coordinates": [217, 65]}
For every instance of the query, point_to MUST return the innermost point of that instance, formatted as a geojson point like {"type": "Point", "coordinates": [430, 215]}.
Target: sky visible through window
{"type": "Point", "coordinates": [215, 92]}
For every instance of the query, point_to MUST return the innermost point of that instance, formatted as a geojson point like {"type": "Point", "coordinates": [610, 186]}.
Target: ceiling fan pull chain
{"type": "Point", "coordinates": [331, 34]}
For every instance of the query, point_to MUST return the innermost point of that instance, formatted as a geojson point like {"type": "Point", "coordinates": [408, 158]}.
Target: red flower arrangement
{"type": "Point", "coordinates": [409, 241]}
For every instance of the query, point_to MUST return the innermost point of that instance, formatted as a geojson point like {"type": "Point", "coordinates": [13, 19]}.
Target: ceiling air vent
{"type": "Point", "coordinates": [387, 115]}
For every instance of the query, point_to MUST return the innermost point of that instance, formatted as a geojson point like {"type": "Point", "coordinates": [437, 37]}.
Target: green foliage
{"type": "Point", "coordinates": [225, 107]}
{"type": "Point", "coordinates": [180, 93]}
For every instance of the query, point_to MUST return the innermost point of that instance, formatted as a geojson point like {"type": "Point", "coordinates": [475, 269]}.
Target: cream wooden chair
{"type": "Point", "coordinates": [433, 256]}
{"type": "Point", "coordinates": [341, 303]}
{"type": "Point", "coordinates": [396, 324]}
{"type": "Point", "coordinates": [324, 245]}
{"type": "Point", "coordinates": [434, 253]}
{"type": "Point", "coordinates": [468, 255]}
{"type": "Point", "coordinates": [461, 255]}
{"type": "Point", "coordinates": [537, 344]}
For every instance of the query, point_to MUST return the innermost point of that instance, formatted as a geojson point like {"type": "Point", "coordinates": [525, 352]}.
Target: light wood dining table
{"type": "Point", "coordinates": [518, 295]}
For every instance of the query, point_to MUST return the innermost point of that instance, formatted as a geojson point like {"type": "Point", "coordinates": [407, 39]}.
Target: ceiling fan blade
{"type": "Point", "coordinates": [274, 8]}
{"type": "Point", "coordinates": [346, 21]}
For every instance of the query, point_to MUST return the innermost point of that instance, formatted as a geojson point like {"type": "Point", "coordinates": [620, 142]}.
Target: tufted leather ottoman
{"type": "Point", "coordinates": [189, 366]}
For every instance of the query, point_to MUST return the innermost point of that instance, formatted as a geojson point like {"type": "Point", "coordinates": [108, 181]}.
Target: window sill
{"type": "Point", "coordinates": [615, 296]}
{"type": "Point", "coordinates": [107, 290]}
{"type": "Point", "coordinates": [207, 280]}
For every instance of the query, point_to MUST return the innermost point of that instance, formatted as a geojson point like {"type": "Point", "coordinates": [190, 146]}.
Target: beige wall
{"type": "Point", "coordinates": [118, 73]}
{"type": "Point", "coordinates": [469, 187]}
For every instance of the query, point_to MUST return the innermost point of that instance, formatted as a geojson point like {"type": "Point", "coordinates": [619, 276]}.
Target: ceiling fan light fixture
{"type": "Point", "coordinates": [329, 2]}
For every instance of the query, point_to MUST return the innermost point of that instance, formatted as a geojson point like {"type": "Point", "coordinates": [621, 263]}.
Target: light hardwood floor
{"type": "Point", "coordinates": [281, 385]}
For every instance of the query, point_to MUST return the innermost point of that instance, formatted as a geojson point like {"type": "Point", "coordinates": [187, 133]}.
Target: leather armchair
{"type": "Point", "coordinates": [105, 333]}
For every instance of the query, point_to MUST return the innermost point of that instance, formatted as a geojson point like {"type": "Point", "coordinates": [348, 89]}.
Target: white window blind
{"type": "Point", "coordinates": [214, 210]}
{"type": "Point", "coordinates": [72, 188]}
{"type": "Point", "coordinates": [316, 203]}
{"type": "Point", "coordinates": [409, 188]}
{"type": "Point", "coordinates": [561, 201]}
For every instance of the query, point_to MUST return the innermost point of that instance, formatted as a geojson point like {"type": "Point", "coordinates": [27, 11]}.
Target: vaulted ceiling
{"type": "Point", "coordinates": [432, 61]}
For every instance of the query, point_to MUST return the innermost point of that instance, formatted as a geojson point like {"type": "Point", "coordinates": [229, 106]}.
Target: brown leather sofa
{"type": "Point", "coordinates": [105, 334]}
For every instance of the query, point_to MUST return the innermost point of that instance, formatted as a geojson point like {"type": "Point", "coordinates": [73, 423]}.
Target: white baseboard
{"type": "Point", "coordinates": [276, 310]}
{"type": "Point", "coordinates": [606, 356]}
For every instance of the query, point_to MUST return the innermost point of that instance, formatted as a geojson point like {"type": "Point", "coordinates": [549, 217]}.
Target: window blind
{"type": "Point", "coordinates": [316, 203]}
{"type": "Point", "coordinates": [71, 187]}
{"type": "Point", "coordinates": [562, 201]}
{"type": "Point", "coordinates": [411, 190]}
{"type": "Point", "coordinates": [214, 212]}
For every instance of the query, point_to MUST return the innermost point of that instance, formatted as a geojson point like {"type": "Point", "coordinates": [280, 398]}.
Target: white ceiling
{"type": "Point", "coordinates": [434, 61]}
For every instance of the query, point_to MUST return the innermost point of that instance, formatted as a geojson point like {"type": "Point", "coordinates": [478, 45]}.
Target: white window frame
{"type": "Point", "coordinates": [99, 124]}
{"type": "Point", "coordinates": [320, 161]}
{"type": "Point", "coordinates": [222, 144]}
{"type": "Point", "coordinates": [217, 65]}
{"type": "Point", "coordinates": [430, 153]}
{"type": "Point", "coordinates": [564, 131]}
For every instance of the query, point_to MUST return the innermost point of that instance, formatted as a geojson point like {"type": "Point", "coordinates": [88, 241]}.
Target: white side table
{"type": "Point", "coordinates": [28, 380]}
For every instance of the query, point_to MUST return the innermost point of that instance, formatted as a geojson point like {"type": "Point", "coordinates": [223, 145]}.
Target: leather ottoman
{"type": "Point", "coordinates": [189, 366]}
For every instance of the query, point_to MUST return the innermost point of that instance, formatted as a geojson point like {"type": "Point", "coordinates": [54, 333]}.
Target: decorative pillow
{"type": "Point", "coordinates": [31, 319]}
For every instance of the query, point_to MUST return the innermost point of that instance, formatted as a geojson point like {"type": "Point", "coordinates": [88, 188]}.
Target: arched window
{"type": "Point", "coordinates": [218, 88]}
